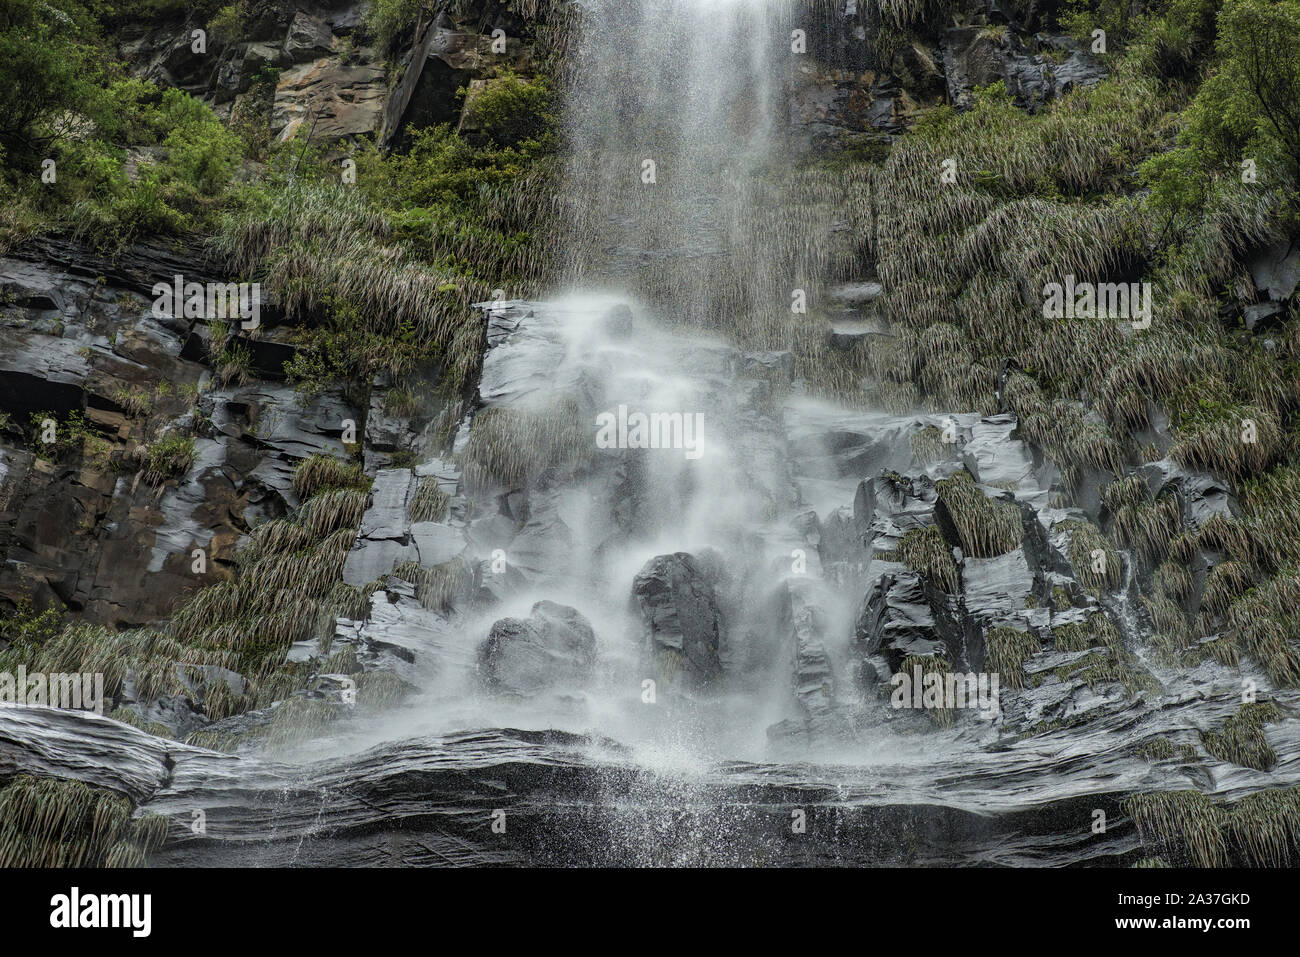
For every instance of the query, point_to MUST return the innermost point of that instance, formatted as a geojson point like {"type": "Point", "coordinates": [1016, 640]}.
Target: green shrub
{"type": "Point", "coordinates": [510, 110]}
{"type": "Point", "coordinates": [169, 457]}
{"type": "Point", "coordinates": [386, 20]}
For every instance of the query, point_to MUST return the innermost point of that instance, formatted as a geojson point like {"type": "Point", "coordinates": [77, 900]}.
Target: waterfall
{"type": "Point", "coordinates": [650, 426]}
{"type": "Point", "coordinates": [675, 183]}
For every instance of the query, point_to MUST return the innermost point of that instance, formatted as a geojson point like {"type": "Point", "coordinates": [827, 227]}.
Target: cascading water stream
{"type": "Point", "coordinates": [678, 103]}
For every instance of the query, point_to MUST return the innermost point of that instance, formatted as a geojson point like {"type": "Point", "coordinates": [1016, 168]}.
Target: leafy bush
{"type": "Point", "coordinates": [386, 20]}
{"type": "Point", "coordinates": [509, 110]}
{"type": "Point", "coordinates": [51, 65]}
{"type": "Point", "coordinates": [1253, 100]}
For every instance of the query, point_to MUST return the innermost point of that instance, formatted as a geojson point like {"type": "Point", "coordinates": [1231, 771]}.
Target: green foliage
{"type": "Point", "coordinates": [169, 457]}
{"type": "Point", "coordinates": [1253, 100]}
{"type": "Point", "coordinates": [1242, 739]}
{"type": "Point", "coordinates": [321, 472]}
{"type": "Point", "coordinates": [510, 111]}
{"type": "Point", "coordinates": [51, 70]}
{"type": "Point", "coordinates": [73, 439]}
{"type": "Point", "coordinates": [386, 20]}
{"type": "Point", "coordinates": [129, 159]}
{"type": "Point", "coordinates": [227, 23]}
{"type": "Point", "coordinates": [47, 822]}
{"type": "Point", "coordinates": [30, 627]}
{"type": "Point", "coordinates": [1248, 108]}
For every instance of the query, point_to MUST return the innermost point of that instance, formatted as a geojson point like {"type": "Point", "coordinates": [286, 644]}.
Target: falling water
{"type": "Point", "coordinates": [678, 111]}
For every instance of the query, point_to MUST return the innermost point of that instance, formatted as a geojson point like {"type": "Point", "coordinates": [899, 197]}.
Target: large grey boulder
{"type": "Point", "coordinates": [553, 647]}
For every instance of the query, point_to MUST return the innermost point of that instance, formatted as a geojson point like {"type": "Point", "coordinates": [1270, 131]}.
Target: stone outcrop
{"type": "Point", "coordinates": [680, 612]}
{"type": "Point", "coordinates": [553, 648]}
{"type": "Point", "coordinates": [80, 345]}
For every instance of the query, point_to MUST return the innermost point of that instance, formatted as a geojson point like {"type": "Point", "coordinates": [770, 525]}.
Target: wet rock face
{"type": "Point", "coordinates": [679, 607]}
{"type": "Point", "coordinates": [80, 345]}
{"type": "Point", "coordinates": [338, 97]}
{"type": "Point", "coordinates": [327, 80]}
{"type": "Point", "coordinates": [554, 647]}
{"type": "Point", "coordinates": [897, 621]}
{"type": "Point", "coordinates": [1035, 71]}
{"type": "Point", "coordinates": [806, 629]}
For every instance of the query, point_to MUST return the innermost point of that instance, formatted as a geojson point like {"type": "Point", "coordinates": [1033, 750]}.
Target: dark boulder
{"type": "Point", "coordinates": [678, 604]}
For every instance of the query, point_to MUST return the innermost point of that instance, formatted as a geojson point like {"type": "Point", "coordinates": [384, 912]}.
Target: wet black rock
{"type": "Point", "coordinates": [1035, 71]}
{"type": "Point", "coordinates": [807, 624]}
{"type": "Point", "coordinates": [553, 646]}
{"type": "Point", "coordinates": [679, 606]}
{"type": "Point", "coordinates": [890, 505]}
{"type": "Point", "coordinates": [1202, 496]}
{"type": "Point", "coordinates": [897, 621]}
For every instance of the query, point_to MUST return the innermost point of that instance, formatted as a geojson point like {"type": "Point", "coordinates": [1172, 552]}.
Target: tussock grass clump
{"type": "Point", "coordinates": [513, 447]}
{"type": "Point", "coordinates": [1229, 538]}
{"type": "Point", "coordinates": [1174, 581]}
{"type": "Point", "coordinates": [924, 550]}
{"type": "Point", "coordinates": [931, 665]}
{"type": "Point", "coordinates": [1130, 491]}
{"type": "Point", "coordinates": [76, 648]}
{"type": "Point", "coordinates": [1264, 828]}
{"type": "Point", "coordinates": [903, 13]}
{"type": "Point", "coordinates": [1242, 739]}
{"type": "Point", "coordinates": [1157, 749]}
{"type": "Point", "coordinates": [1237, 447]}
{"type": "Point", "coordinates": [169, 457]}
{"type": "Point", "coordinates": [1099, 669]}
{"type": "Point", "coordinates": [127, 716]}
{"type": "Point", "coordinates": [332, 511]}
{"type": "Point", "coordinates": [1064, 430]}
{"type": "Point", "coordinates": [341, 662]}
{"type": "Point", "coordinates": [1222, 650]}
{"type": "Point", "coordinates": [349, 601]}
{"type": "Point", "coordinates": [134, 402]}
{"type": "Point", "coordinates": [1264, 624]}
{"type": "Point", "coordinates": [986, 528]}
{"type": "Point", "coordinates": [1149, 528]}
{"type": "Point", "coordinates": [276, 537]}
{"type": "Point", "coordinates": [1260, 830]}
{"type": "Point", "coordinates": [331, 257]}
{"type": "Point", "coordinates": [1169, 622]}
{"type": "Point", "coordinates": [928, 446]}
{"type": "Point", "coordinates": [1008, 649]}
{"type": "Point", "coordinates": [288, 590]}
{"type": "Point", "coordinates": [380, 689]}
{"type": "Point", "coordinates": [430, 502]}
{"type": "Point", "coordinates": [320, 472]}
{"type": "Point", "coordinates": [1224, 584]}
{"type": "Point", "coordinates": [1182, 825]}
{"type": "Point", "coordinates": [299, 719]}
{"type": "Point", "coordinates": [1183, 549]}
{"type": "Point", "coordinates": [1096, 563]}
{"type": "Point", "coordinates": [48, 822]}
{"type": "Point", "coordinates": [1272, 503]}
{"type": "Point", "coordinates": [438, 588]}
{"type": "Point", "coordinates": [1097, 631]}
{"type": "Point", "coordinates": [223, 741]}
